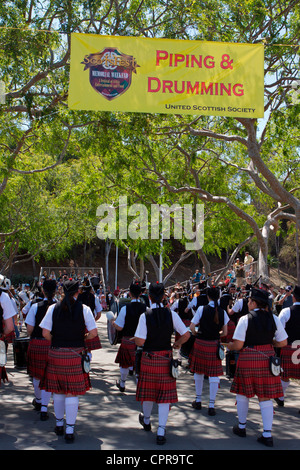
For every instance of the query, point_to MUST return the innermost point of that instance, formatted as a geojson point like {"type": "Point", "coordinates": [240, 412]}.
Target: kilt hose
{"type": "Point", "coordinates": [290, 362]}
{"type": "Point", "coordinates": [155, 381]}
{"type": "Point", "coordinates": [37, 357]}
{"type": "Point", "coordinates": [203, 358]}
{"type": "Point", "coordinates": [253, 376]}
{"type": "Point", "coordinates": [64, 373]}
{"type": "Point", "coordinates": [126, 353]}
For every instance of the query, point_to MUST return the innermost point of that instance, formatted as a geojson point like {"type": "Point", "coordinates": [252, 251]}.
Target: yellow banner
{"type": "Point", "coordinates": [133, 74]}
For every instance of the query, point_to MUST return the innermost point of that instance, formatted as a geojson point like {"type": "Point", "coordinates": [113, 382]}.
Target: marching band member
{"type": "Point", "coordinates": [290, 319]}
{"type": "Point", "coordinates": [127, 321]}
{"type": "Point", "coordinates": [65, 325]}
{"type": "Point", "coordinates": [38, 348]}
{"type": "Point", "coordinates": [255, 336]}
{"type": "Point", "coordinates": [204, 361]}
{"type": "Point", "coordinates": [155, 384]}
{"type": "Point", "coordinates": [7, 313]}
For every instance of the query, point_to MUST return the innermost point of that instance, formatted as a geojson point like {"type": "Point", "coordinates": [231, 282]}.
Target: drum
{"type": "Point", "coordinates": [187, 347]}
{"type": "Point", "coordinates": [20, 347]}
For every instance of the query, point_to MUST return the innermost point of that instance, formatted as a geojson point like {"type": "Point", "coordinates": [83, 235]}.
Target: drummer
{"type": "Point", "coordinates": [127, 322]}
{"type": "Point", "coordinates": [38, 347]}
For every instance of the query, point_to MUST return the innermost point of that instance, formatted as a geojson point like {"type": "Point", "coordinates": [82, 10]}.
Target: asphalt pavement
{"type": "Point", "coordinates": [108, 419]}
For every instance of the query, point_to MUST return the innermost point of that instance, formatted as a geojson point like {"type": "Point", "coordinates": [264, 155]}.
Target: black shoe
{"type": "Point", "coordinates": [59, 430]}
{"type": "Point", "coordinates": [267, 441]}
{"type": "Point", "coordinates": [37, 406]}
{"type": "Point", "coordinates": [69, 438]}
{"type": "Point", "coordinates": [44, 416]}
{"type": "Point", "coordinates": [279, 402]}
{"type": "Point", "coordinates": [122, 389]}
{"type": "Point", "coordinates": [160, 440]}
{"type": "Point", "coordinates": [147, 427]}
{"type": "Point", "coordinates": [211, 412]}
{"type": "Point", "coordinates": [238, 431]}
{"type": "Point", "coordinates": [197, 405]}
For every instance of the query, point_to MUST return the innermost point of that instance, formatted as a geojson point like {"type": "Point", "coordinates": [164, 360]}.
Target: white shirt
{"type": "Point", "coordinates": [30, 318]}
{"type": "Point", "coordinates": [179, 326]}
{"type": "Point", "coordinates": [241, 329]}
{"type": "Point", "coordinates": [88, 316]}
{"type": "Point", "coordinates": [237, 306]}
{"type": "Point", "coordinates": [198, 314]}
{"type": "Point", "coordinates": [7, 306]}
{"type": "Point", "coordinates": [285, 314]}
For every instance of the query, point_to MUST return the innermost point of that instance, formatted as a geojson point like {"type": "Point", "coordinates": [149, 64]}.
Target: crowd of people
{"type": "Point", "coordinates": [255, 330]}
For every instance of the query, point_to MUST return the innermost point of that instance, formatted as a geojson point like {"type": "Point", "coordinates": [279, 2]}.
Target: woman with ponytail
{"type": "Point", "coordinates": [65, 325]}
{"type": "Point", "coordinates": [155, 384]}
{"type": "Point", "coordinates": [38, 347]}
{"type": "Point", "coordinates": [211, 321]}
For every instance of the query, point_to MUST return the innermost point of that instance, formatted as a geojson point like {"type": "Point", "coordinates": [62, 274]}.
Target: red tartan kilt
{"type": "Point", "coordinates": [290, 362]}
{"type": "Point", "coordinates": [203, 358]}
{"type": "Point", "coordinates": [3, 374]}
{"type": "Point", "coordinates": [64, 373]}
{"type": "Point", "coordinates": [155, 382]}
{"type": "Point", "coordinates": [253, 376]}
{"type": "Point", "coordinates": [10, 337]}
{"type": "Point", "coordinates": [187, 323]}
{"type": "Point", "coordinates": [94, 343]}
{"type": "Point", "coordinates": [37, 357]}
{"type": "Point", "coordinates": [126, 353]}
{"type": "Point", "coordinates": [230, 331]}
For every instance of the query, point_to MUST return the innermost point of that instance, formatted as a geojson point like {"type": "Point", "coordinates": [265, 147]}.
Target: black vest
{"type": "Point", "coordinates": [261, 328]}
{"type": "Point", "coordinates": [87, 298]}
{"type": "Point", "coordinates": [182, 305]}
{"type": "Point", "coordinates": [42, 308]}
{"type": "Point", "coordinates": [68, 328]}
{"type": "Point", "coordinates": [159, 329]}
{"type": "Point", "coordinates": [292, 327]}
{"type": "Point", "coordinates": [208, 329]}
{"type": "Point", "coordinates": [133, 313]}
{"type": "Point", "coordinates": [237, 315]}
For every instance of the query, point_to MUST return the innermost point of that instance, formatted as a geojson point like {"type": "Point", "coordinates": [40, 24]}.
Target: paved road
{"type": "Point", "coordinates": [108, 419]}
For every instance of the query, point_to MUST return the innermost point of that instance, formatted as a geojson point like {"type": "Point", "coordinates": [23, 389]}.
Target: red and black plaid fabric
{"type": "Point", "coordinates": [290, 362]}
{"type": "Point", "coordinates": [3, 374]}
{"type": "Point", "coordinates": [126, 353]}
{"type": "Point", "coordinates": [10, 337]}
{"type": "Point", "coordinates": [37, 357]}
{"type": "Point", "coordinates": [253, 376]}
{"type": "Point", "coordinates": [64, 373]}
{"type": "Point", "coordinates": [203, 358]}
{"type": "Point", "coordinates": [230, 331]}
{"type": "Point", "coordinates": [155, 382]}
{"type": "Point", "coordinates": [92, 344]}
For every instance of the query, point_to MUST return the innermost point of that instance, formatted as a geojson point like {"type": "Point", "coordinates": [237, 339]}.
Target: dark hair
{"type": "Point", "coordinates": [213, 293]}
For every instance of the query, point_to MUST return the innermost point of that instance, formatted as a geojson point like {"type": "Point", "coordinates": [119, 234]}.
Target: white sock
{"type": "Point", "coordinates": [213, 390]}
{"type": "Point", "coordinates": [198, 378]}
{"type": "Point", "coordinates": [147, 410]}
{"type": "Point", "coordinates": [45, 400]}
{"type": "Point", "coordinates": [59, 407]}
{"type": "Point", "coordinates": [163, 413]}
{"type": "Point", "coordinates": [71, 413]}
{"type": "Point", "coordinates": [242, 403]}
{"type": "Point", "coordinates": [37, 390]}
{"type": "Point", "coordinates": [284, 388]}
{"type": "Point", "coordinates": [124, 375]}
{"type": "Point", "coordinates": [266, 409]}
